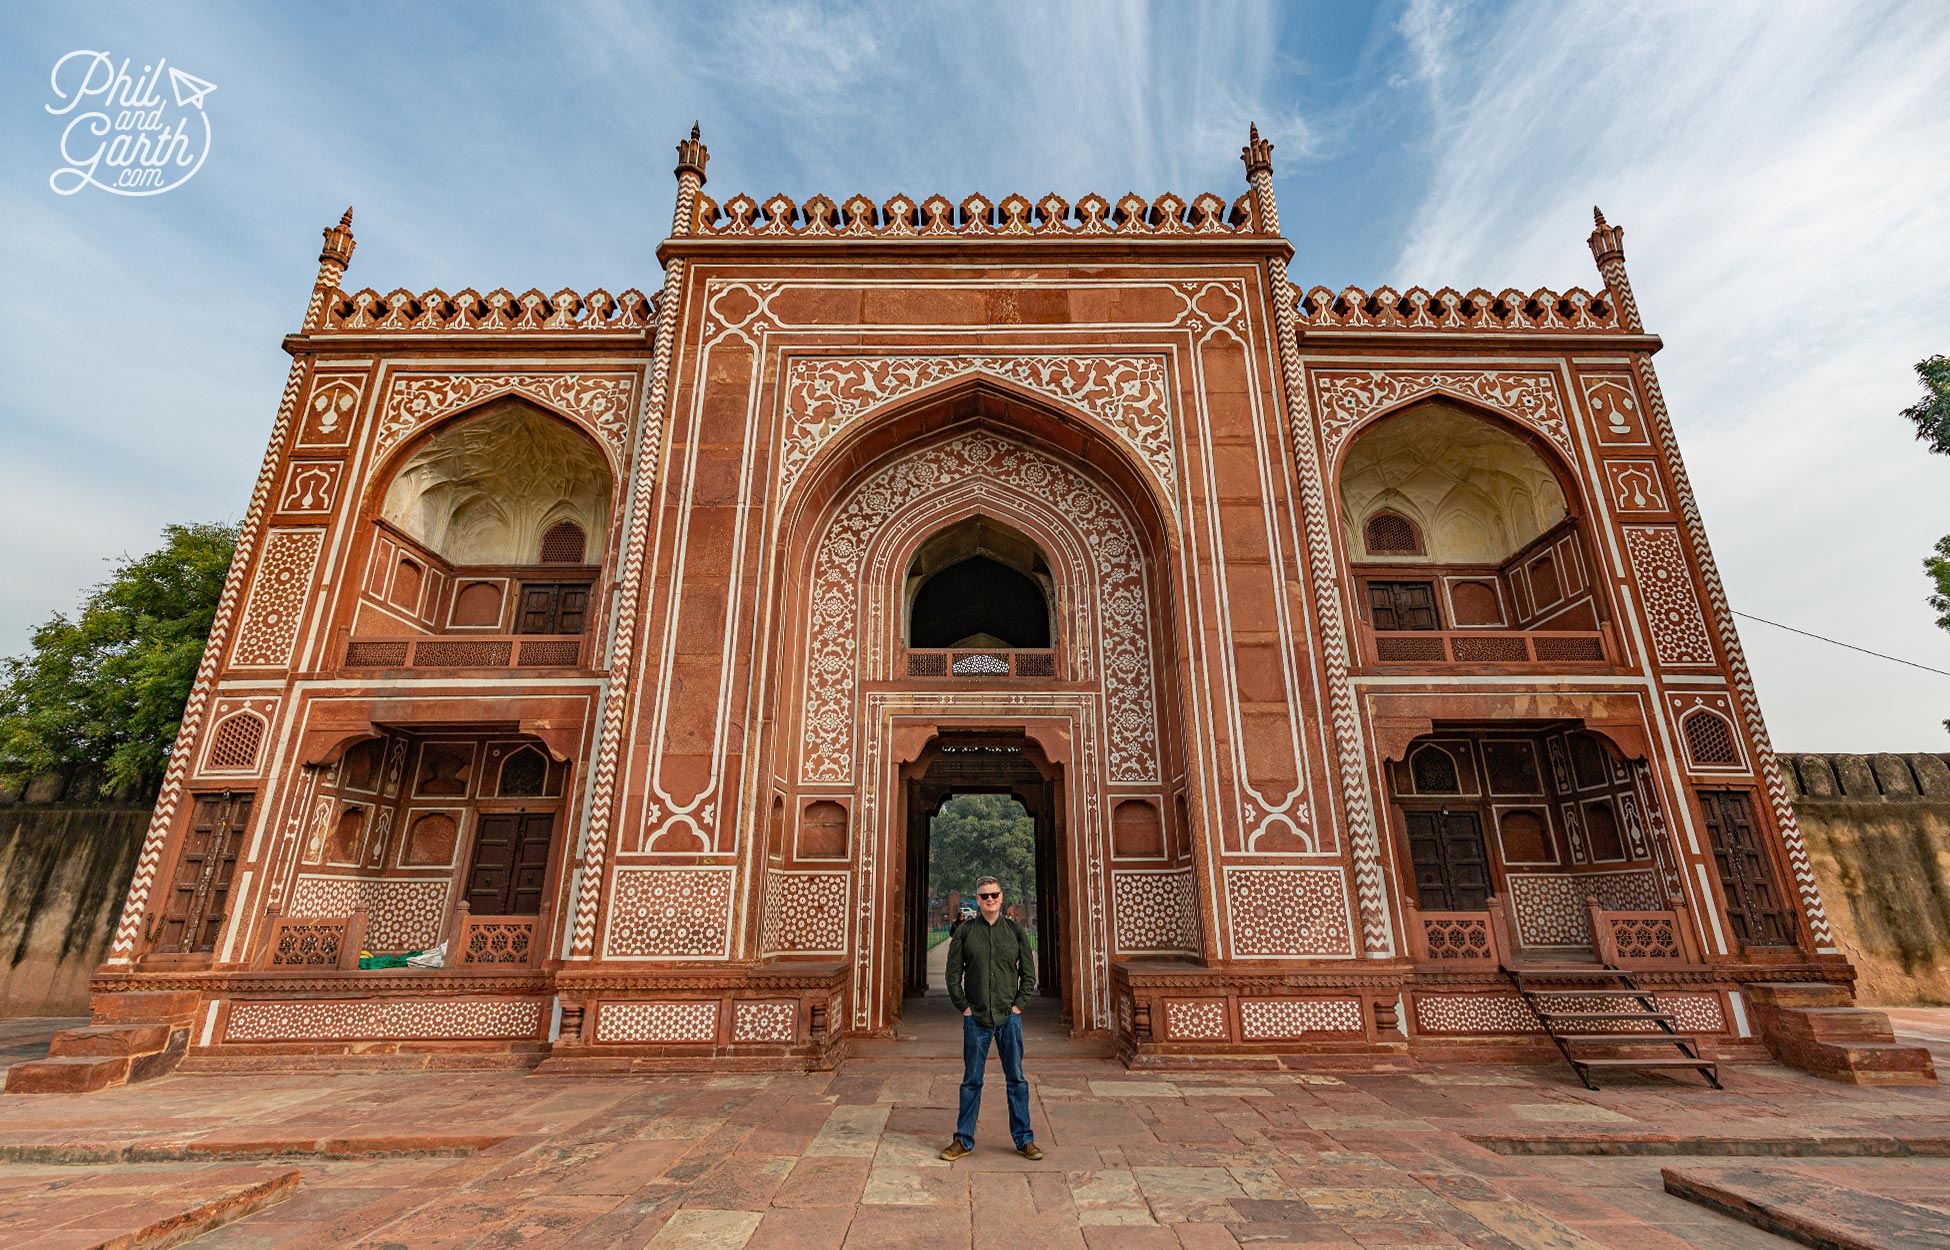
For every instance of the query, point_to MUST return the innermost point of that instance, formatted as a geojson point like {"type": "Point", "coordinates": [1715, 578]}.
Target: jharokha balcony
{"type": "Point", "coordinates": [1490, 646]}
{"type": "Point", "coordinates": [986, 662]}
{"type": "Point", "coordinates": [447, 651]}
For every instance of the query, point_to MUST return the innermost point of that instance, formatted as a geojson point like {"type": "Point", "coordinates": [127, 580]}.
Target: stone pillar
{"type": "Point", "coordinates": [333, 259]}
{"type": "Point", "coordinates": [1608, 250]}
{"type": "Point", "coordinates": [598, 829]}
{"type": "Point", "coordinates": [1377, 936]}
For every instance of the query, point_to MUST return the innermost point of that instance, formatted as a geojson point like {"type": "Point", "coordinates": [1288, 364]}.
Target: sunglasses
{"type": "Point", "coordinates": [997, 894]}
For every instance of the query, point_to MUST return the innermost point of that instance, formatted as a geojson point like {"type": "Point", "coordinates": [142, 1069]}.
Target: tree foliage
{"type": "Point", "coordinates": [983, 835]}
{"type": "Point", "coordinates": [104, 692]}
{"type": "Point", "coordinates": [1931, 414]}
{"type": "Point", "coordinates": [1938, 567]}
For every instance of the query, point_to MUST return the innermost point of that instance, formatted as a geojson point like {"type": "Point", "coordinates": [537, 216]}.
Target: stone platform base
{"type": "Point", "coordinates": [1815, 1028]}
{"type": "Point", "coordinates": [1886, 1205]}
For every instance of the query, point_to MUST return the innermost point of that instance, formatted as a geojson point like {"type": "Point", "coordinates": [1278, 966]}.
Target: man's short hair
{"type": "Point", "coordinates": [982, 881]}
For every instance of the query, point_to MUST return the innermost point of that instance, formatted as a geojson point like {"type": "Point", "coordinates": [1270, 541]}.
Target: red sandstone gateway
{"type": "Point", "coordinates": [1359, 657]}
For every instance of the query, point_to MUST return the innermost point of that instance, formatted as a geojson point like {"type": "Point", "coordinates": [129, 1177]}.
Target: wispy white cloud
{"type": "Point", "coordinates": [514, 146]}
{"type": "Point", "coordinates": [1780, 170]}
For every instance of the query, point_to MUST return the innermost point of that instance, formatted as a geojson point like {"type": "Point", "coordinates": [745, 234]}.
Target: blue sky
{"type": "Point", "coordinates": [1780, 169]}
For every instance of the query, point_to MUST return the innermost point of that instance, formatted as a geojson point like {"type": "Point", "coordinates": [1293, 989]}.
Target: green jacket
{"type": "Point", "coordinates": [998, 964]}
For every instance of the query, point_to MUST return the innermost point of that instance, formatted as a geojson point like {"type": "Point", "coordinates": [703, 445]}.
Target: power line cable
{"type": "Point", "coordinates": [1894, 659]}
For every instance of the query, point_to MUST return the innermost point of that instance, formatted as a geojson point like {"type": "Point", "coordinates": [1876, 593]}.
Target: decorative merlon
{"type": "Point", "coordinates": [1479, 311]}
{"type": "Point", "coordinates": [975, 217]}
{"type": "Point", "coordinates": [403, 312]}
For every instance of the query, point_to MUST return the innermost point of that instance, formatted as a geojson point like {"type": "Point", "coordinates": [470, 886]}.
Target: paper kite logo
{"type": "Point", "coordinates": [123, 135]}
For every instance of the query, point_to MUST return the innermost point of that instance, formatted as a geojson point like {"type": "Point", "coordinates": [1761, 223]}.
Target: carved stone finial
{"type": "Point", "coordinates": [338, 242]}
{"type": "Point", "coordinates": [1258, 153]}
{"type": "Point", "coordinates": [692, 155]}
{"type": "Point", "coordinates": [1607, 241]}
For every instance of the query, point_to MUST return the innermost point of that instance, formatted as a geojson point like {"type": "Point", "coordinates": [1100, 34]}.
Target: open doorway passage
{"type": "Point", "coordinates": [974, 836]}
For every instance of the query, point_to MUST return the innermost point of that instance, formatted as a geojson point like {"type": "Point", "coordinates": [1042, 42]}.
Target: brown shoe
{"type": "Point", "coordinates": [1028, 1150]}
{"type": "Point", "coordinates": [954, 1150]}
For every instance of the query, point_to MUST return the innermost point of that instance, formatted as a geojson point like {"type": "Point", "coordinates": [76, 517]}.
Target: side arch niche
{"type": "Point", "coordinates": [1466, 545]}
{"type": "Point", "coordinates": [489, 487]}
{"type": "Point", "coordinates": [493, 523]}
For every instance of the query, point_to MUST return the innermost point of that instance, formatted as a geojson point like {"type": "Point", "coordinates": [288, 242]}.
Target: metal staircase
{"type": "Point", "coordinates": [1602, 1009]}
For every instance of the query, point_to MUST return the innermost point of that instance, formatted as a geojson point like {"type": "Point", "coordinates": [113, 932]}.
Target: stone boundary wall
{"type": "Point", "coordinates": [66, 854]}
{"type": "Point", "coordinates": [1878, 834]}
{"type": "Point", "coordinates": [1877, 829]}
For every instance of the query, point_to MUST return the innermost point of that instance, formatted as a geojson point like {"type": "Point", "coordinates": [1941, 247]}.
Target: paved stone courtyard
{"type": "Point", "coordinates": [1476, 1156]}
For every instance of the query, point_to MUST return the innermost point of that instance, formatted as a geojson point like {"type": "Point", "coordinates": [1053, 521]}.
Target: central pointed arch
{"type": "Point", "coordinates": [1062, 507]}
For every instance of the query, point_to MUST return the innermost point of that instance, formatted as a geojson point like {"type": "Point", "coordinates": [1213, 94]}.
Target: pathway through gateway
{"type": "Point", "coordinates": [930, 1028]}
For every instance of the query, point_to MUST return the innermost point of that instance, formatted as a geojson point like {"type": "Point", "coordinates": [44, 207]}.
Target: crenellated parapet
{"type": "Point", "coordinates": [1478, 311]}
{"type": "Point", "coordinates": [403, 312]}
{"type": "Point", "coordinates": [975, 217]}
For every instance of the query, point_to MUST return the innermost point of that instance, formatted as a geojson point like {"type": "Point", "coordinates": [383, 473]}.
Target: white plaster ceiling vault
{"type": "Point", "coordinates": [1477, 492]}
{"type": "Point", "coordinates": [484, 490]}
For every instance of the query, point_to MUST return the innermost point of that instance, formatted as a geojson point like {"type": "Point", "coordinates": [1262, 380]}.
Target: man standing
{"type": "Point", "coordinates": [992, 956]}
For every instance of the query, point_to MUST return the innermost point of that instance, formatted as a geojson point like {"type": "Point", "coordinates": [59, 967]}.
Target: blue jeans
{"type": "Point", "coordinates": [975, 1039]}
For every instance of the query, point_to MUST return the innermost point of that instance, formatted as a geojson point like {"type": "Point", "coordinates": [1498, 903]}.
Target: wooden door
{"type": "Point", "coordinates": [510, 864]}
{"type": "Point", "coordinates": [1451, 864]}
{"type": "Point", "coordinates": [198, 900]}
{"type": "Point", "coordinates": [553, 608]}
{"type": "Point", "coordinates": [1403, 605]}
{"type": "Point", "coordinates": [1756, 905]}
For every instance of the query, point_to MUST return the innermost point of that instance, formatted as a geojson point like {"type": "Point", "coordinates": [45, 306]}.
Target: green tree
{"type": "Point", "coordinates": [104, 692]}
{"type": "Point", "coordinates": [1931, 414]}
{"type": "Point", "coordinates": [1938, 567]}
{"type": "Point", "coordinates": [982, 835]}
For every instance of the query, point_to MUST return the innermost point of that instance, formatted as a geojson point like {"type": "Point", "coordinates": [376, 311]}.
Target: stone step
{"type": "Point", "coordinates": [1886, 1057]}
{"type": "Point", "coordinates": [109, 1041]}
{"type": "Point", "coordinates": [145, 1007]}
{"type": "Point", "coordinates": [72, 1074]}
{"type": "Point", "coordinates": [1797, 994]}
{"type": "Point", "coordinates": [1844, 1024]}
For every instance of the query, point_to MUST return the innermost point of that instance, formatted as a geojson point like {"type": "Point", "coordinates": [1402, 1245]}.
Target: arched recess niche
{"type": "Point", "coordinates": [980, 583]}
{"type": "Point", "coordinates": [466, 527]}
{"type": "Point", "coordinates": [928, 537]}
{"type": "Point", "coordinates": [1497, 519]}
{"type": "Point", "coordinates": [485, 489]}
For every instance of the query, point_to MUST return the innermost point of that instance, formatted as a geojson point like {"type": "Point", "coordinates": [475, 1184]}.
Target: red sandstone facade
{"type": "Point", "coordinates": [1385, 648]}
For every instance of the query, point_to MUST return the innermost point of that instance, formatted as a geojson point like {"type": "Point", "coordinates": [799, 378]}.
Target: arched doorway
{"type": "Point", "coordinates": [964, 764]}
{"type": "Point", "coordinates": [975, 565]}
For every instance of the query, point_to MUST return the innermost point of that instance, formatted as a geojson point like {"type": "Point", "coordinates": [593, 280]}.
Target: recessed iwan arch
{"type": "Point", "coordinates": [486, 489]}
{"type": "Point", "coordinates": [1475, 491]}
